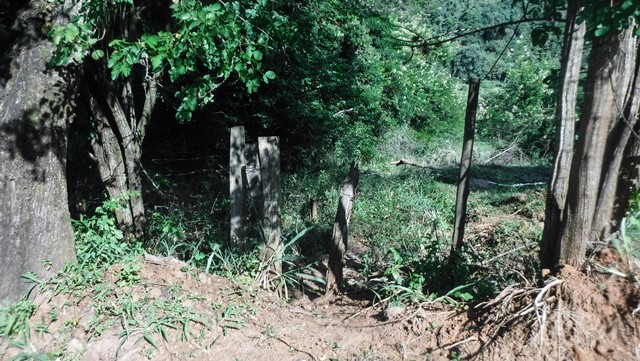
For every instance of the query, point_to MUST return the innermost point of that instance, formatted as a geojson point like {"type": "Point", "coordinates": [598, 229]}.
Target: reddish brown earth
{"type": "Point", "coordinates": [585, 317]}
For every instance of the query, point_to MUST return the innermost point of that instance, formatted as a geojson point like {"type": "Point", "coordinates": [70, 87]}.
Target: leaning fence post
{"type": "Point", "coordinates": [340, 235]}
{"type": "Point", "coordinates": [465, 165]}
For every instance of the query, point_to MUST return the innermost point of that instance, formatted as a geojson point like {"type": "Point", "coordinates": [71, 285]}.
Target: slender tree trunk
{"type": "Point", "coordinates": [608, 78]}
{"type": "Point", "coordinates": [107, 155]}
{"type": "Point", "coordinates": [36, 105]}
{"type": "Point", "coordinates": [629, 181]}
{"type": "Point", "coordinates": [565, 131]}
{"type": "Point", "coordinates": [629, 101]}
{"type": "Point", "coordinates": [117, 148]}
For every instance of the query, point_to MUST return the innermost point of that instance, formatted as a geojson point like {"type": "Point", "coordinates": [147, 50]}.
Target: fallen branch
{"type": "Point", "coordinates": [367, 308]}
{"type": "Point", "coordinates": [456, 344]}
{"type": "Point", "coordinates": [342, 112]}
{"type": "Point", "coordinates": [505, 254]}
{"type": "Point", "coordinates": [410, 163]}
{"type": "Point", "coordinates": [517, 184]}
{"type": "Point", "coordinates": [293, 348]}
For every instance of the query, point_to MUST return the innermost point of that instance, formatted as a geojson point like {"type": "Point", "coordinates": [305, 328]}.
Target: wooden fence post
{"type": "Point", "coordinates": [253, 182]}
{"type": "Point", "coordinates": [313, 210]}
{"type": "Point", "coordinates": [269, 152]}
{"type": "Point", "coordinates": [236, 191]}
{"type": "Point", "coordinates": [341, 229]}
{"type": "Point", "coordinates": [465, 165]}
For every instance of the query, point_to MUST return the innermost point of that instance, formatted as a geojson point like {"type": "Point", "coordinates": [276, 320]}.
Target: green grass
{"type": "Point", "coordinates": [403, 217]}
{"type": "Point", "coordinates": [401, 222]}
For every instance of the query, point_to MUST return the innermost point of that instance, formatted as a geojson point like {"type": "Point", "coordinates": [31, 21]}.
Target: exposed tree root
{"type": "Point", "coordinates": [514, 306]}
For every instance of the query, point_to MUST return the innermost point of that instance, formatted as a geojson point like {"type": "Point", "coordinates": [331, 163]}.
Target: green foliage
{"type": "Point", "coordinates": [208, 44]}
{"type": "Point", "coordinates": [231, 263]}
{"type": "Point", "coordinates": [475, 53]}
{"type": "Point", "coordinates": [602, 17]}
{"type": "Point", "coordinates": [149, 320]}
{"type": "Point", "coordinates": [99, 242]}
{"type": "Point", "coordinates": [72, 41]}
{"type": "Point", "coordinates": [521, 111]}
{"type": "Point", "coordinates": [187, 233]}
{"type": "Point", "coordinates": [628, 241]}
{"type": "Point", "coordinates": [342, 82]}
{"type": "Point", "coordinates": [14, 320]}
{"type": "Point", "coordinates": [128, 275]}
{"type": "Point", "coordinates": [167, 232]}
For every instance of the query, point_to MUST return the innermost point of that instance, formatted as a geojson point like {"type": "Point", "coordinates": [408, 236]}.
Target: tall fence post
{"type": "Point", "coordinates": [269, 152]}
{"type": "Point", "coordinates": [236, 190]}
{"type": "Point", "coordinates": [465, 165]}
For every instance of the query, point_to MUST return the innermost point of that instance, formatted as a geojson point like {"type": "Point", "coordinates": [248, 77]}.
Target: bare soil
{"type": "Point", "coordinates": [584, 316]}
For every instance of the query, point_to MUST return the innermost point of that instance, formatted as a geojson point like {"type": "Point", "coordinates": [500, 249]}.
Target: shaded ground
{"type": "Point", "coordinates": [173, 312]}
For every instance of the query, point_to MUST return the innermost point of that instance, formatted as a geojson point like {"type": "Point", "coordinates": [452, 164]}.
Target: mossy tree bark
{"type": "Point", "coordinates": [37, 104]}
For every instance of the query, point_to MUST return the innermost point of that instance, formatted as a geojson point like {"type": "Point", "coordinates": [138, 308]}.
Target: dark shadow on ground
{"type": "Point", "coordinates": [490, 175]}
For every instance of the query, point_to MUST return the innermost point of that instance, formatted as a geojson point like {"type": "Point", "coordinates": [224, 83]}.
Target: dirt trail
{"type": "Point", "coordinates": [206, 317]}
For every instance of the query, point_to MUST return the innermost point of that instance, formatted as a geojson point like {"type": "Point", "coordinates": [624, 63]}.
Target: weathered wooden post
{"type": "Point", "coordinates": [236, 191]}
{"type": "Point", "coordinates": [465, 165]}
{"type": "Point", "coordinates": [313, 210]}
{"type": "Point", "coordinates": [253, 182]}
{"type": "Point", "coordinates": [269, 152]}
{"type": "Point", "coordinates": [339, 240]}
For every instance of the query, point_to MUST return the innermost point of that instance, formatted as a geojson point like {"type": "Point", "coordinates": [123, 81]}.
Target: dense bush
{"type": "Point", "coordinates": [520, 111]}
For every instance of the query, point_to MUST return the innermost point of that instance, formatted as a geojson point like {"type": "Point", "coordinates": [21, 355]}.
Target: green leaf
{"type": "Point", "coordinates": [601, 31]}
{"type": "Point", "coordinates": [626, 5]}
{"type": "Point", "coordinates": [71, 33]}
{"type": "Point", "coordinates": [97, 54]}
{"type": "Point", "coordinates": [151, 40]}
{"type": "Point", "coordinates": [257, 54]}
{"type": "Point", "coordinates": [149, 340]}
{"type": "Point", "coordinates": [270, 74]}
{"type": "Point", "coordinates": [56, 35]}
{"type": "Point", "coordinates": [156, 61]}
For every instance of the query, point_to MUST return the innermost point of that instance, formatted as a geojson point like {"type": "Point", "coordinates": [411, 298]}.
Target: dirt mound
{"type": "Point", "coordinates": [170, 311]}
{"type": "Point", "coordinates": [580, 317]}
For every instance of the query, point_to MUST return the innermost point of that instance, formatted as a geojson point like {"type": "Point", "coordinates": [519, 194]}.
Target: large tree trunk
{"type": "Point", "coordinates": [565, 129]}
{"type": "Point", "coordinates": [36, 106]}
{"type": "Point", "coordinates": [609, 79]}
